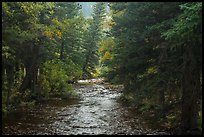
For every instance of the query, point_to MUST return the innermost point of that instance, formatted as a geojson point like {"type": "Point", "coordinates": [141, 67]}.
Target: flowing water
{"type": "Point", "coordinates": [97, 112]}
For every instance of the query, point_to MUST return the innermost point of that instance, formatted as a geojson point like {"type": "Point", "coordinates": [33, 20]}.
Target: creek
{"type": "Point", "coordinates": [95, 112]}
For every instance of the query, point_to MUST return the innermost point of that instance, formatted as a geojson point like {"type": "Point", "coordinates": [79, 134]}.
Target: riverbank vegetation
{"type": "Point", "coordinates": [153, 49]}
{"type": "Point", "coordinates": [46, 47]}
{"type": "Point", "coordinates": [156, 54]}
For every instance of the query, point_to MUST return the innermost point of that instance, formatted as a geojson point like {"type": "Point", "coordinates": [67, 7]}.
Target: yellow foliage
{"type": "Point", "coordinates": [45, 33]}
{"type": "Point", "coordinates": [119, 13]}
{"type": "Point", "coordinates": [48, 34]}
{"type": "Point", "coordinates": [59, 33]}
{"type": "Point", "coordinates": [51, 35]}
{"type": "Point", "coordinates": [106, 45]}
{"type": "Point", "coordinates": [102, 48]}
{"type": "Point", "coordinates": [107, 24]}
{"type": "Point", "coordinates": [107, 56]}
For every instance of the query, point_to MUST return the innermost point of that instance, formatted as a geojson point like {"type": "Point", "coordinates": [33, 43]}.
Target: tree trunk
{"type": "Point", "coordinates": [162, 70]}
{"type": "Point", "coordinates": [3, 75]}
{"type": "Point", "coordinates": [27, 79]}
{"type": "Point", "coordinates": [161, 101]}
{"type": "Point", "coordinates": [10, 83]}
{"type": "Point", "coordinates": [85, 71]}
{"type": "Point", "coordinates": [190, 90]}
{"type": "Point", "coordinates": [31, 72]}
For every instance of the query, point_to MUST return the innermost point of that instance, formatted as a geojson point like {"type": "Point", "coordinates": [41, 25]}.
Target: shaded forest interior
{"type": "Point", "coordinates": [153, 49]}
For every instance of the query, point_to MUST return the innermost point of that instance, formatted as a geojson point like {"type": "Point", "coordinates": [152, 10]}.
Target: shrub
{"type": "Point", "coordinates": [55, 77]}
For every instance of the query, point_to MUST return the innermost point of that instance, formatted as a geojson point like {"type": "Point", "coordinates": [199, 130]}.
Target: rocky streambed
{"type": "Point", "coordinates": [96, 112]}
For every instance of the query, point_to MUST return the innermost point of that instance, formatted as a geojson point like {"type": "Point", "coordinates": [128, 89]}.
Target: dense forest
{"type": "Point", "coordinates": [154, 49]}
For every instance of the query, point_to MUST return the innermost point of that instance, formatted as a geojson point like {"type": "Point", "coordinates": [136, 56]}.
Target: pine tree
{"type": "Point", "coordinates": [93, 36]}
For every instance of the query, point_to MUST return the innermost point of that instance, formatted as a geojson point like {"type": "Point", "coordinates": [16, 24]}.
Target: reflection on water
{"type": "Point", "coordinates": [97, 112]}
{"type": "Point", "coordinates": [43, 113]}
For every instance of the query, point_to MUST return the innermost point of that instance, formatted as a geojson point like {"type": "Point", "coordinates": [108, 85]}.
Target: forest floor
{"type": "Point", "coordinates": [97, 111]}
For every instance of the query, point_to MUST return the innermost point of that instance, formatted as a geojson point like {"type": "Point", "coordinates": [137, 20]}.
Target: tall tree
{"type": "Point", "coordinates": [187, 34]}
{"type": "Point", "coordinates": [92, 40]}
{"type": "Point", "coordinates": [154, 53]}
{"type": "Point", "coordinates": [36, 34]}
